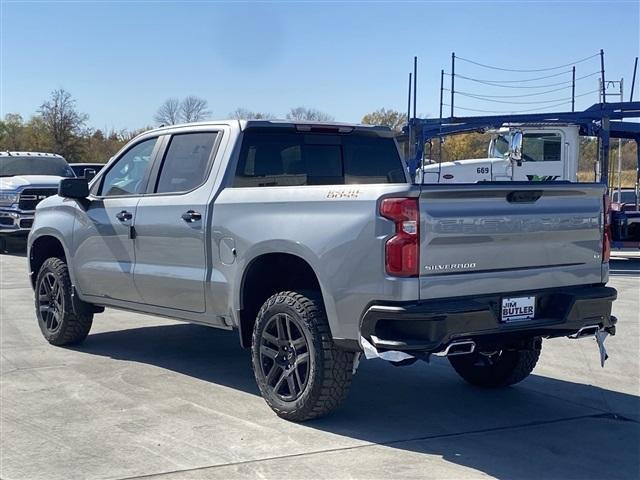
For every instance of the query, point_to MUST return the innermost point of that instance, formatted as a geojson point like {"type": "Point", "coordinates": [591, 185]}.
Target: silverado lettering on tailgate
{"type": "Point", "coordinates": [450, 266]}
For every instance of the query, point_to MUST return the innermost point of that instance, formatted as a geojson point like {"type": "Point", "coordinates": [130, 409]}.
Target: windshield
{"type": "Point", "coordinates": [500, 146]}
{"type": "Point", "coordinates": [12, 166]}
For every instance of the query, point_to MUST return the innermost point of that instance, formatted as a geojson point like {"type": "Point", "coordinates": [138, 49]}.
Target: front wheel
{"type": "Point", "coordinates": [299, 370]}
{"type": "Point", "coordinates": [496, 369]}
{"type": "Point", "coordinates": [58, 322]}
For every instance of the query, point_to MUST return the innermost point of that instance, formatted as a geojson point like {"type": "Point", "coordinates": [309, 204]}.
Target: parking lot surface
{"type": "Point", "coordinates": [148, 397]}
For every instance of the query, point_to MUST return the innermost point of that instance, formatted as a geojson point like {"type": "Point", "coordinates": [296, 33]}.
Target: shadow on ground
{"type": "Point", "coordinates": [426, 409]}
{"type": "Point", "coordinates": [13, 246]}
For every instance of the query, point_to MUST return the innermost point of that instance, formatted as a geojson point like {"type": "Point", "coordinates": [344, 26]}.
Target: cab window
{"type": "Point", "coordinates": [186, 163]}
{"type": "Point", "coordinates": [542, 147]}
{"type": "Point", "coordinates": [283, 157]}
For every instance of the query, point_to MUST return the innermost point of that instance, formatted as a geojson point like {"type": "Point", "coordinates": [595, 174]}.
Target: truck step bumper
{"type": "Point", "coordinates": [430, 326]}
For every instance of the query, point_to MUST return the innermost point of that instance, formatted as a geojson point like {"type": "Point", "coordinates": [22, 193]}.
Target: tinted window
{"type": "Point", "coordinates": [57, 166]}
{"type": "Point", "coordinates": [186, 162]}
{"type": "Point", "coordinates": [287, 158]}
{"type": "Point", "coordinates": [126, 176]}
{"type": "Point", "coordinates": [542, 147]}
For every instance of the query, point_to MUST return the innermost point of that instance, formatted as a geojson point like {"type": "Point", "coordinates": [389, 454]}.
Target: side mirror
{"type": "Point", "coordinates": [515, 147]}
{"type": "Point", "coordinates": [73, 188]}
{"type": "Point", "coordinates": [89, 173]}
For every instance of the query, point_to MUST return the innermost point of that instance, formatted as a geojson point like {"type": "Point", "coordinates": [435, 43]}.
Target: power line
{"type": "Point", "coordinates": [530, 70]}
{"type": "Point", "coordinates": [509, 112]}
{"type": "Point", "coordinates": [522, 80]}
{"type": "Point", "coordinates": [555, 100]}
{"type": "Point", "coordinates": [493, 84]}
{"type": "Point", "coordinates": [516, 96]}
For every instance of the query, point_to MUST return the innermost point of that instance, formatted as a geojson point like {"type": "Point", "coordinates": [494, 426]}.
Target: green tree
{"type": "Point", "coordinates": [464, 146]}
{"type": "Point", "coordinates": [12, 133]}
{"type": "Point", "coordinates": [386, 117]}
{"type": "Point", "coordinates": [37, 136]}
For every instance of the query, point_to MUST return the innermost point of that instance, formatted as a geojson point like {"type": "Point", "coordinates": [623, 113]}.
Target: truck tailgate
{"type": "Point", "coordinates": [509, 237]}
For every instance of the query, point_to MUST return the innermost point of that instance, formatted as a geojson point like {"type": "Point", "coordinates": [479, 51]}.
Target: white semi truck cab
{"type": "Point", "coordinates": [548, 152]}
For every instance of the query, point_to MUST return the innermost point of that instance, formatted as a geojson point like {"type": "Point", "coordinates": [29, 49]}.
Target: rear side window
{"type": "Point", "coordinates": [288, 158]}
{"type": "Point", "coordinates": [186, 162]}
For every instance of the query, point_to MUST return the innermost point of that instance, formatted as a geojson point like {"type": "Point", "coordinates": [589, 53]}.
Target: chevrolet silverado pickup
{"type": "Point", "coordinates": [311, 241]}
{"type": "Point", "coordinates": [26, 178]}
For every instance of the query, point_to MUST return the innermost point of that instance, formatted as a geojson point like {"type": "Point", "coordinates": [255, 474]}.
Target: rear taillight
{"type": "Point", "coordinates": [606, 225]}
{"type": "Point", "coordinates": [402, 254]}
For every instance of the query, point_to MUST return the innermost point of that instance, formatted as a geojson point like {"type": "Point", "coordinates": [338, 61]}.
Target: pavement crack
{"type": "Point", "coordinates": [606, 416]}
{"type": "Point", "coordinates": [617, 417]}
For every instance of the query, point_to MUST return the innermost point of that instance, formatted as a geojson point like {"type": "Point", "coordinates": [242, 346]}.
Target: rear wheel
{"type": "Point", "coordinates": [496, 369]}
{"type": "Point", "coordinates": [300, 372]}
{"type": "Point", "coordinates": [59, 324]}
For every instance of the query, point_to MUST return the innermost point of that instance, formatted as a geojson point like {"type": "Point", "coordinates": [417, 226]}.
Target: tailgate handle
{"type": "Point", "coordinates": [524, 196]}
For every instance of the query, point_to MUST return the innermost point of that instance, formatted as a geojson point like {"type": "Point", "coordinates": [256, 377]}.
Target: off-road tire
{"type": "Point", "coordinates": [72, 327]}
{"type": "Point", "coordinates": [509, 368]}
{"type": "Point", "coordinates": [330, 368]}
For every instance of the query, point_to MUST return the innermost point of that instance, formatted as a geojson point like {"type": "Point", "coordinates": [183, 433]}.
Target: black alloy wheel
{"type": "Point", "coordinates": [284, 357]}
{"type": "Point", "coordinates": [50, 303]}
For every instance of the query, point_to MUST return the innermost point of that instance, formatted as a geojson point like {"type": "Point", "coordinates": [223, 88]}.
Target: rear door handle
{"type": "Point", "coordinates": [191, 216]}
{"type": "Point", "coordinates": [123, 216]}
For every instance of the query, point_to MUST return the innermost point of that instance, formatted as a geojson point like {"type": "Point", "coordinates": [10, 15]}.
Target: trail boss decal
{"type": "Point", "coordinates": [343, 193]}
{"type": "Point", "coordinates": [542, 178]}
{"type": "Point", "coordinates": [518, 308]}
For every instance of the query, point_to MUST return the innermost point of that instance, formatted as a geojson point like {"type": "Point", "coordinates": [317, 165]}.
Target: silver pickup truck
{"type": "Point", "coordinates": [310, 240]}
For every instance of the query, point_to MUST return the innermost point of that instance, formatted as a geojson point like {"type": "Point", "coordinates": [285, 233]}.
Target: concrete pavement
{"type": "Point", "coordinates": [145, 396]}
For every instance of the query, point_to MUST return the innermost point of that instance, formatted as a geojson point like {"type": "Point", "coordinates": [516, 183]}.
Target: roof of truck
{"type": "Point", "coordinates": [244, 124]}
{"type": "Point", "coordinates": [29, 154]}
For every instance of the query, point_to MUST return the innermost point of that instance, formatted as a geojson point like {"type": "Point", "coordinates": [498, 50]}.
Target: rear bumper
{"type": "Point", "coordinates": [429, 326]}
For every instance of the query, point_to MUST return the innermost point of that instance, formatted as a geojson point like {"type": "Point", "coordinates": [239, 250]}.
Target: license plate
{"type": "Point", "coordinates": [518, 308]}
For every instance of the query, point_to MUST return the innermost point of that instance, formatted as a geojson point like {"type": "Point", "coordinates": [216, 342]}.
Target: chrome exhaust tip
{"type": "Point", "coordinates": [588, 331]}
{"type": "Point", "coordinates": [462, 347]}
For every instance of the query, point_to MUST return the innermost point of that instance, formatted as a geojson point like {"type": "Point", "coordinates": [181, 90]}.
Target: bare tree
{"type": "Point", "coordinates": [194, 109]}
{"type": "Point", "coordinates": [64, 123]}
{"type": "Point", "coordinates": [169, 112]}
{"type": "Point", "coordinates": [244, 114]}
{"type": "Point", "coordinates": [303, 113]}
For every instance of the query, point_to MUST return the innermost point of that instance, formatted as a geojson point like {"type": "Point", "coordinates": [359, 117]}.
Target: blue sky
{"type": "Point", "coordinates": [121, 60]}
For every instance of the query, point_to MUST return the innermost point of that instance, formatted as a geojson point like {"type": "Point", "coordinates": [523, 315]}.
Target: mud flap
{"type": "Point", "coordinates": [601, 335]}
{"type": "Point", "coordinates": [393, 356]}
